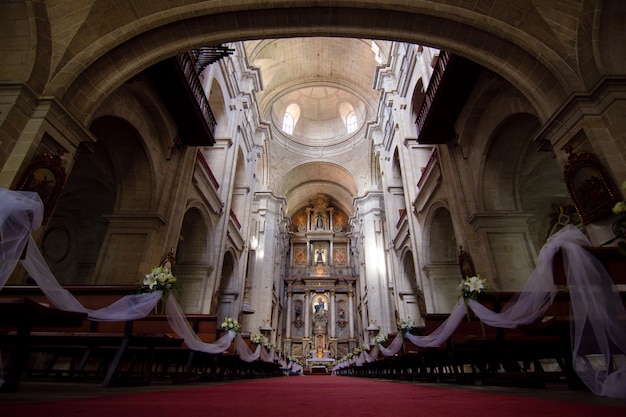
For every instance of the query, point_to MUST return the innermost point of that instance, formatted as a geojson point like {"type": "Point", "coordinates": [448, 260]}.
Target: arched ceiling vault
{"type": "Point", "coordinates": [91, 68]}
{"type": "Point", "coordinates": [320, 58]}
{"type": "Point", "coordinates": [312, 178]}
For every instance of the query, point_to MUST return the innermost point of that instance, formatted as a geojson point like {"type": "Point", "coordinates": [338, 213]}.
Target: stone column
{"type": "Point", "coordinates": [351, 314]}
{"type": "Point", "coordinates": [332, 314]}
{"type": "Point", "coordinates": [372, 252]}
{"type": "Point", "coordinates": [307, 313]}
{"type": "Point", "coordinates": [288, 321]}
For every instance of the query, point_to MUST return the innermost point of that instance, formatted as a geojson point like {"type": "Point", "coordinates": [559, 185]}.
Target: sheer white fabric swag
{"type": "Point", "coordinates": [597, 331]}
{"type": "Point", "coordinates": [21, 212]}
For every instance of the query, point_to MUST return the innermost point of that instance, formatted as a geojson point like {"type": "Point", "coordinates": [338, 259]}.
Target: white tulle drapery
{"type": "Point", "coordinates": [295, 368]}
{"type": "Point", "coordinates": [372, 355]}
{"type": "Point", "coordinates": [268, 355]}
{"type": "Point", "coordinates": [180, 325]}
{"type": "Point", "coordinates": [598, 333]}
{"type": "Point", "coordinates": [247, 355]}
{"type": "Point", "coordinates": [393, 348]}
{"type": "Point", "coordinates": [244, 352]}
{"type": "Point", "coordinates": [21, 212]}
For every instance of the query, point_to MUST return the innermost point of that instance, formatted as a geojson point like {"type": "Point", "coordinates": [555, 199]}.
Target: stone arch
{"type": "Point", "coordinates": [30, 25]}
{"type": "Point", "coordinates": [228, 289]}
{"type": "Point", "coordinates": [218, 106]}
{"type": "Point", "coordinates": [520, 176]}
{"type": "Point", "coordinates": [441, 239]}
{"type": "Point", "coordinates": [193, 245]}
{"type": "Point", "coordinates": [106, 188]}
{"type": "Point", "coordinates": [192, 259]}
{"type": "Point", "coordinates": [606, 33]}
{"type": "Point", "coordinates": [133, 171]}
{"type": "Point", "coordinates": [409, 292]}
{"type": "Point", "coordinates": [419, 93]}
{"type": "Point", "coordinates": [149, 115]}
{"type": "Point", "coordinates": [441, 262]}
{"type": "Point", "coordinates": [241, 187]}
{"type": "Point", "coordinates": [396, 188]}
{"type": "Point", "coordinates": [76, 231]}
{"type": "Point", "coordinates": [528, 65]}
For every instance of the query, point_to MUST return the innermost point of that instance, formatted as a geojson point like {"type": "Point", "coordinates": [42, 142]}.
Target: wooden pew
{"type": "Point", "coordinates": [109, 350]}
{"type": "Point", "coordinates": [24, 315]}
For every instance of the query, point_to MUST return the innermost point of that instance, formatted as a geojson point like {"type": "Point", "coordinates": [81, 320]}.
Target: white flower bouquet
{"type": "Point", "coordinates": [230, 324]}
{"type": "Point", "coordinates": [257, 338]}
{"type": "Point", "coordinates": [470, 287]}
{"type": "Point", "coordinates": [405, 325]}
{"type": "Point", "coordinates": [381, 338]}
{"type": "Point", "coordinates": [160, 279]}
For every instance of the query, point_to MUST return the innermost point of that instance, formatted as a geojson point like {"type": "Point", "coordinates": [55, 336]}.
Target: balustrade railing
{"type": "Point", "coordinates": [233, 216]}
{"type": "Point", "coordinates": [187, 64]}
{"type": "Point", "coordinates": [434, 156]}
{"type": "Point", "coordinates": [431, 90]}
{"type": "Point", "coordinates": [205, 166]}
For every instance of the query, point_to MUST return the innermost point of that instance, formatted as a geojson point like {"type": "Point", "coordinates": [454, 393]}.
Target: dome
{"type": "Point", "coordinates": [322, 115]}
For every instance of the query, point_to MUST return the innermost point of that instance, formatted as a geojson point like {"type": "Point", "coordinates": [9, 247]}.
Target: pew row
{"type": "Point", "coordinates": [530, 355]}
{"type": "Point", "coordinates": [116, 353]}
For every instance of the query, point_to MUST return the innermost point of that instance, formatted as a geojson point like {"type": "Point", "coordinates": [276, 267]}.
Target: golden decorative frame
{"type": "Point", "coordinates": [46, 176]}
{"type": "Point", "coordinates": [592, 190]}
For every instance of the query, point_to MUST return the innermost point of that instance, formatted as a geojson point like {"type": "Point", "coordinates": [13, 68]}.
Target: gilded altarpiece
{"type": "Point", "coordinates": [320, 281]}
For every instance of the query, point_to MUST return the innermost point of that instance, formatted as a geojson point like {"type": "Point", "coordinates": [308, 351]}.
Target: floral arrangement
{"type": "Point", "coordinates": [380, 338]}
{"type": "Point", "coordinates": [230, 324]}
{"type": "Point", "coordinates": [470, 287]}
{"type": "Point", "coordinates": [619, 226]}
{"type": "Point", "coordinates": [257, 338]}
{"type": "Point", "coordinates": [160, 279]}
{"type": "Point", "coordinates": [405, 325]}
{"type": "Point", "coordinates": [365, 348]}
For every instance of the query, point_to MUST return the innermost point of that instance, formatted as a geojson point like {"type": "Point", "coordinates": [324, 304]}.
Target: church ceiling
{"type": "Point", "coordinates": [322, 81]}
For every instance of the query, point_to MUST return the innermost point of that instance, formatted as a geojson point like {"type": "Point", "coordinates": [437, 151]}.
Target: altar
{"type": "Point", "coordinates": [316, 365]}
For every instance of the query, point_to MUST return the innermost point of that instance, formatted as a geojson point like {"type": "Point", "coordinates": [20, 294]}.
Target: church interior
{"type": "Point", "coordinates": [323, 172]}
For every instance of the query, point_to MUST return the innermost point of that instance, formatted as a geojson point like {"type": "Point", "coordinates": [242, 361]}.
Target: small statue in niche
{"type": "Point", "coordinates": [341, 317]}
{"type": "Point", "coordinates": [466, 264]}
{"type": "Point", "coordinates": [319, 222]}
{"type": "Point", "coordinates": [320, 256]}
{"type": "Point", "coordinates": [298, 321]}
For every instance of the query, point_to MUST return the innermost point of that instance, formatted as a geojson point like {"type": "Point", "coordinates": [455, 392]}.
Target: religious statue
{"type": "Point", "coordinates": [320, 222]}
{"type": "Point", "coordinates": [320, 256]}
{"type": "Point", "coordinates": [298, 321]}
{"type": "Point", "coordinates": [320, 319]}
{"type": "Point", "coordinates": [320, 305]}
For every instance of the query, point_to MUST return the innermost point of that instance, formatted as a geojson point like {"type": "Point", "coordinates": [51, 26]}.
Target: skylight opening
{"type": "Point", "coordinates": [290, 118]}
{"type": "Point", "coordinates": [351, 124]}
{"type": "Point", "coordinates": [288, 123]}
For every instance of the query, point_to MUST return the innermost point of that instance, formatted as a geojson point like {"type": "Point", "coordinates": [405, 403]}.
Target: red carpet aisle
{"type": "Point", "coordinates": [311, 396]}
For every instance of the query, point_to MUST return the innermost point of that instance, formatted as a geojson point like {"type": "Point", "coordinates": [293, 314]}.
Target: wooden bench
{"type": "Point", "coordinates": [114, 348]}
{"type": "Point", "coordinates": [23, 314]}
{"type": "Point", "coordinates": [499, 356]}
